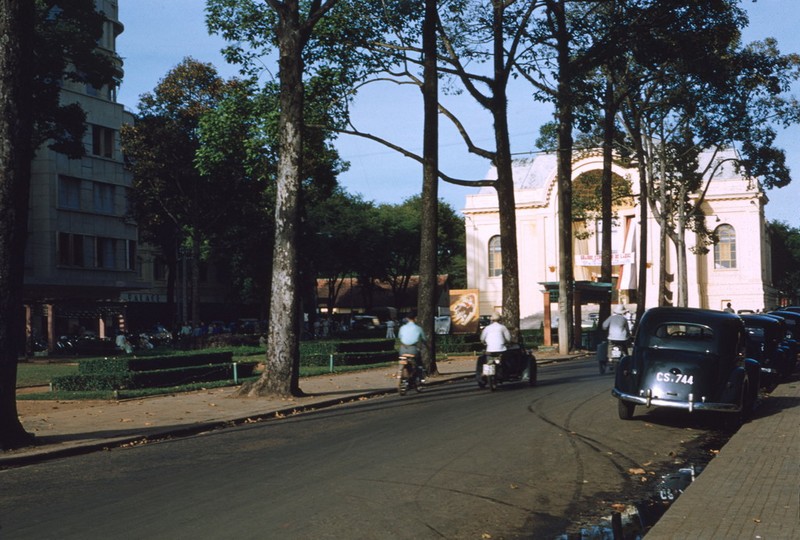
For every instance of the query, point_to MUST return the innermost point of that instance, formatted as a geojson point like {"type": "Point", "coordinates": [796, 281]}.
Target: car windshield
{"type": "Point", "coordinates": [680, 335]}
{"type": "Point", "coordinates": [755, 332]}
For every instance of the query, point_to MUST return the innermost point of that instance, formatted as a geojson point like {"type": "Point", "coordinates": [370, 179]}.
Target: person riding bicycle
{"type": "Point", "coordinates": [411, 337]}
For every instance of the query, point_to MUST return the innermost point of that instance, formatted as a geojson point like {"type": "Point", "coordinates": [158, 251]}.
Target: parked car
{"type": "Point", "coordinates": [766, 342]}
{"type": "Point", "coordinates": [441, 324]}
{"type": "Point", "coordinates": [691, 359]}
{"type": "Point", "coordinates": [365, 322]}
{"type": "Point", "coordinates": [792, 321]}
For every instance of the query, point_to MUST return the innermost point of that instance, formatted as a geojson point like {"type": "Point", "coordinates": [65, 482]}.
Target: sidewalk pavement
{"type": "Point", "coordinates": [751, 489]}
{"type": "Point", "coordinates": [68, 428]}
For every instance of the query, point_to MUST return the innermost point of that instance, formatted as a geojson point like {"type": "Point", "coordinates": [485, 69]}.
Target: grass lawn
{"type": "Point", "coordinates": [42, 374]}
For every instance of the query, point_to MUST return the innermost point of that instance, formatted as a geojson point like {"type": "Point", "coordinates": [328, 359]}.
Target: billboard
{"type": "Point", "coordinates": [464, 311]}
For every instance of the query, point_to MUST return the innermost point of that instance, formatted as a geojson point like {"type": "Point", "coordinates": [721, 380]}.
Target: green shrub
{"type": "Point", "coordinates": [130, 363]}
{"type": "Point", "coordinates": [365, 346]}
{"type": "Point", "coordinates": [458, 343]}
{"type": "Point", "coordinates": [152, 378]}
{"type": "Point", "coordinates": [91, 382]}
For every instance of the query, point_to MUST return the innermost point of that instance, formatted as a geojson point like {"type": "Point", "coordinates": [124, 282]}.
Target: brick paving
{"type": "Point", "coordinates": [752, 488]}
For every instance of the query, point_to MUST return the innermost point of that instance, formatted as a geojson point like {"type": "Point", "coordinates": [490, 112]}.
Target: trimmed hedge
{"type": "Point", "coordinates": [365, 346]}
{"type": "Point", "coordinates": [124, 364]}
{"type": "Point", "coordinates": [152, 379]}
{"type": "Point", "coordinates": [350, 359]}
{"type": "Point", "coordinates": [152, 372]}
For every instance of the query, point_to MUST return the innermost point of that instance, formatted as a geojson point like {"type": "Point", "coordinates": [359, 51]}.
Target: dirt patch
{"type": "Point", "coordinates": [32, 407]}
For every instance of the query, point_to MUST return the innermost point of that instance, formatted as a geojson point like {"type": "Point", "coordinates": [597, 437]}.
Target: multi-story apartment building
{"type": "Point", "coordinates": [82, 252]}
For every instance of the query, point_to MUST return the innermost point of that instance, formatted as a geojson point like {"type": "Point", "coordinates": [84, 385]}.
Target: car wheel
{"type": "Point", "coordinates": [625, 409]}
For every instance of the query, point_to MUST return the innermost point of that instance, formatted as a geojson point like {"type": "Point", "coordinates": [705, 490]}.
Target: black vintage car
{"type": "Point", "coordinates": [687, 358]}
{"type": "Point", "coordinates": [767, 343]}
{"type": "Point", "coordinates": [792, 322]}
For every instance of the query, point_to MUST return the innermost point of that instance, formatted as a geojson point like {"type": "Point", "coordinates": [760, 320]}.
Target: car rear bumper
{"type": "Point", "coordinates": [683, 404]}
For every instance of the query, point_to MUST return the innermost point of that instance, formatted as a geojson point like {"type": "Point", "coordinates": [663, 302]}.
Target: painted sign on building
{"type": "Point", "coordinates": [464, 311]}
{"type": "Point", "coordinates": [596, 260]}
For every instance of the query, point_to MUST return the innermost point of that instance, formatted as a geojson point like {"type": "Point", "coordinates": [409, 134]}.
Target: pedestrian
{"type": "Point", "coordinates": [390, 329]}
{"type": "Point", "coordinates": [728, 308]}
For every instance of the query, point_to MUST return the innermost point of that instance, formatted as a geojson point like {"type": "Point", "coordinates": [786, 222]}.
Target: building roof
{"type": "Point", "coordinates": [352, 294]}
{"type": "Point", "coordinates": [536, 172]}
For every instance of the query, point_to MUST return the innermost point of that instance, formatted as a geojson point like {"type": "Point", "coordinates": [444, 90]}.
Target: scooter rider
{"type": "Point", "coordinates": [495, 337]}
{"type": "Point", "coordinates": [618, 331]}
{"type": "Point", "coordinates": [411, 336]}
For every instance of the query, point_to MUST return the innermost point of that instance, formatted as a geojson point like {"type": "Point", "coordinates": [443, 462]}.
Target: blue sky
{"type": "Point", "coordinates": [159, 34]}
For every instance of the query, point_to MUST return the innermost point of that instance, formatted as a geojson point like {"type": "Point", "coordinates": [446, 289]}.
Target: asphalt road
{"type": "Point", "coordinates": [452, 462]}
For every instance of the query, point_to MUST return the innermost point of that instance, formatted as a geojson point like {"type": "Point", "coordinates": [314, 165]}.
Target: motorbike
{"type": "Point", "coordinates": [409, 375]}
{"type": "Point", "coordinates": [609, 354]}
{"type": "Point", "coordinates": [516, 364]}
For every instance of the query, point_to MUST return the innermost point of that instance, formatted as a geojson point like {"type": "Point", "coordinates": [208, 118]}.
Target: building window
{"type": "Point", "coordinates": [725, 248]}
{"type": "Point", "coordinates": [103, 198]}
{"type": "Point", "coordinates": [102, 141]}
{"type": "Point", "coordinates": [105, 253]}
{"type": "Point", "coordinates": [159, 269]}
{"type": "Point", "coordinates": [69, 192]}
{"type": "Point", "coordinates": [495, 257]}
{"type": "Point", "coordinates": [71, 249]}
{"type": "Point", "coordinates": [131, 260]}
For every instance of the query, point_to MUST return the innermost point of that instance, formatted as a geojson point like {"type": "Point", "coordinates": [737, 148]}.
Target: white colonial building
{"type": "Point", "coordinates": [737, 269]}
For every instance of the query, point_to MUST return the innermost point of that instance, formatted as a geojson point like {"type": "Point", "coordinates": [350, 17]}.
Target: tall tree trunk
{"type": "Point", "coordinates": [680, 247]}
{"type": "Point", "coordinates": [426, 301]}
{"type": "Point", "coordinates": [606, 202]}
{"type": "Point", "coordinates": [564, 115]}
{"type": "Point", "coordinates": [16, 153]}
{"type": "Point", "coordinates": [195, 261]}
{"type": "Point", "coordinates": [281, 375]}
{"type": "Point", "coordinates": [633, 122]}
{"type": "Point", "coordinates": [664, 292]}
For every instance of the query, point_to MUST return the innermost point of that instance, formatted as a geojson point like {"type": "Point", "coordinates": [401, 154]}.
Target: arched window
{"type": "Point", "coordinates": [725, 248]}
{"type": "Point", "coordinates": [495, 257]}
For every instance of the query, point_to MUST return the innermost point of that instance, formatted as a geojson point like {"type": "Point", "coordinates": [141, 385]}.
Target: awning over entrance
{"type": "Point", "coordinates": [583, 292]}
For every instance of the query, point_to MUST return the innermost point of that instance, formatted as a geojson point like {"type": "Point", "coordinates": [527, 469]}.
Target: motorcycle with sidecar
{"type": "Point", "coordinates": [515, 364]}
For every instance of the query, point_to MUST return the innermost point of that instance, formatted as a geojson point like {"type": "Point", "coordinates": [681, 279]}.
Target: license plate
{"type": "Point", "coordinates": [488, 369]}
{"type": "Point", "coordinates": [616, 353]}
{"type": "Point", "coordinates": [677, 378]}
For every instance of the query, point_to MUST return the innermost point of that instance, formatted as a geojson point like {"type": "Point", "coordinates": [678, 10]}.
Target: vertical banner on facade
{"type": "Point", "coordinates": [464, 311]}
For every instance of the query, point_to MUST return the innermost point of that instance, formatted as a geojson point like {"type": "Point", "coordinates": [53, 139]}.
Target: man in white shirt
{"type": "Point", "coordinates": [495, 336]}
{"type": "Point", "coordinates": [618, 331]}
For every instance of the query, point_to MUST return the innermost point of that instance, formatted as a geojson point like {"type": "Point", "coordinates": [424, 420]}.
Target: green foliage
{"type": "Point", "coordinates": [365, 346]}
{"type": "Point", "coordinates": [65, 48]}
{"type": "Point", "coordinates": [111, 374]}
{"type": "Point", "coordinates": [785, 244]}
{"type": "Point", "coordinates": [29, 374]}
{"type": "Point", "coordinates": [126, 363]}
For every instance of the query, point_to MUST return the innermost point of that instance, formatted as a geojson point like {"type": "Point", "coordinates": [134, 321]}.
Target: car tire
{"type": "Point", "coordinates": [625, 410]}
